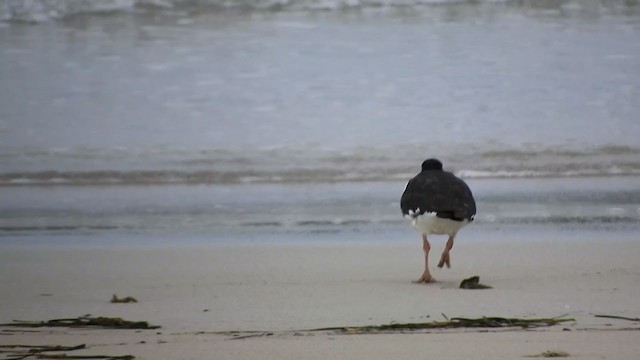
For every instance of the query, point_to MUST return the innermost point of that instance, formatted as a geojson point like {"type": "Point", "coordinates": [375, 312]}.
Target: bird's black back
{"type": "Point", "coordinates": [440, 192]}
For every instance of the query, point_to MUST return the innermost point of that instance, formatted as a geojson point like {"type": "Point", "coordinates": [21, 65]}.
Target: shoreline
{"type": "Point", "coordinates": [197, 292]}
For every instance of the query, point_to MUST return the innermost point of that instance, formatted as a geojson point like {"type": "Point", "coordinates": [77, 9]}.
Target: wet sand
{"type": "Point", "coordinates": [200, 293]}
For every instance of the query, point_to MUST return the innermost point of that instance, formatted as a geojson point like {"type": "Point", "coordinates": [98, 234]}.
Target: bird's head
{"type": "Point", "coordinates": [431, 164]}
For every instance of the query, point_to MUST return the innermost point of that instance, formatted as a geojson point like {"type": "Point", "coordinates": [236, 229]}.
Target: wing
{"type": "Point", "coordinates": [440, 192]}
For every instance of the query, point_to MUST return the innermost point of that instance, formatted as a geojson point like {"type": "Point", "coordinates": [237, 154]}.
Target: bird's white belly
{"type": "Point", "coordinates": [429, 223]}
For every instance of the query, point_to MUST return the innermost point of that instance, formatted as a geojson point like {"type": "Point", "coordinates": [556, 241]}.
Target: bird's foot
{"type": "Point", "coordinates": [445, 260]}
{"type": "Point", "coordinates": [425, 278]}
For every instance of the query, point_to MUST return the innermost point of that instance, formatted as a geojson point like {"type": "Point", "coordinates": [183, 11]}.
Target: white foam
{"type": "Point", "coordinates": [21, 181]}
{"type": "Point", "coordinates": [479, 174]}
{"type": "Point", "coordinates": [616, 211]}
{"type": "Point", "coordinates": [44, 10]}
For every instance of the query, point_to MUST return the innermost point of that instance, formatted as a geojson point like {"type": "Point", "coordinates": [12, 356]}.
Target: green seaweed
{"type": "Point", "coordinates": [86, 322]}
{"type": "Point", "coordinates": [18, 352]}
{"type": "Point", "coordinates": [550, 354]}
{"type": "Point", "coordinates": [453, 323]}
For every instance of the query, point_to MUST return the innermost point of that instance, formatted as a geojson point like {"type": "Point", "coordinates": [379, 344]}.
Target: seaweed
{"type": "Point", "coordinates": [18, 352]}
{"type": "Point", "coordinates": [550, 354]}
{"type": "Point", "coordinates": [85, 322]}
{"type": "Point", "coordinates": [65, 356]}
{"type": "Point", "coordinates": [473, 283]}
{"type": "Point", "coordinates": [453, 323]}
{"type": "Point", "coordinates": [128, 299]}
{"type": "Point", "coordinates": [617, 317]}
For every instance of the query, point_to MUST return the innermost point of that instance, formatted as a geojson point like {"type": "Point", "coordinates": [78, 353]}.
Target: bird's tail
{"type": "Point", "coordinates": [412, 214]}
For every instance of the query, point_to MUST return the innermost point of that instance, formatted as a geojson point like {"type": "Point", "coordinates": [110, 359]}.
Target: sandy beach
{"type": "Point", "coordinates": [198, 294]}
{"type": "Point", "coordinates": [237, 167]}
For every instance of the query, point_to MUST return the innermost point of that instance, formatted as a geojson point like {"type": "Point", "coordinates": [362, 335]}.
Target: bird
{"type": "Point", "coordinates": [437, 202]}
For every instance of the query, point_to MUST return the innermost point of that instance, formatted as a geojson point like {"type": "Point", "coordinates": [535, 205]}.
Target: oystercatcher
{"type": "Point", "coordinates": [437, 202]}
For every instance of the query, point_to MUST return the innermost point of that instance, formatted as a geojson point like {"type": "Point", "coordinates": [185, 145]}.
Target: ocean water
{"type": "Point", "coordinates": [218, 120]}
{"type": "Point", "coordinates": [522, 209]}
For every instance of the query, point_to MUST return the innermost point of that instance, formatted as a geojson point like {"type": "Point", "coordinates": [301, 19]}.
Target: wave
{"type": "Point", "coordinates": [188, 177]}
{"type": "Point", "coordinates": [164, 166]}
{"type": "Point", "coordinates": [57, 228]}
{"type": "Point", "coordinates": [46, 10]}
{"type": "Point", "coordinates": [507, 220]}
{"type": "Point", "coordinates": [267, 177]}
{"type": "Point", "coordinates": [313, 226]}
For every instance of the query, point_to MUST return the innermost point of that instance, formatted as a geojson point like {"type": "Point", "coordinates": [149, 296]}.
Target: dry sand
{"type": "Point", "coordinates": [195, 291]}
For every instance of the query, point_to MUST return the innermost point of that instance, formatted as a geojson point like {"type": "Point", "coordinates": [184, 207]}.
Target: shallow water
{"type": "Point", "coordinates": [342, 212]}
{"type": "Point", "coordinates": [199, 95]}
{"type": "Point", "coordinates": [283, 122]}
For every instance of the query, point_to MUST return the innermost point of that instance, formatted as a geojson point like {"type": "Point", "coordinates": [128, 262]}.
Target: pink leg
{"type": "Point", "coordinates": [445, 258]}
{"type": "Point", "coordinates": [426, 275]}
